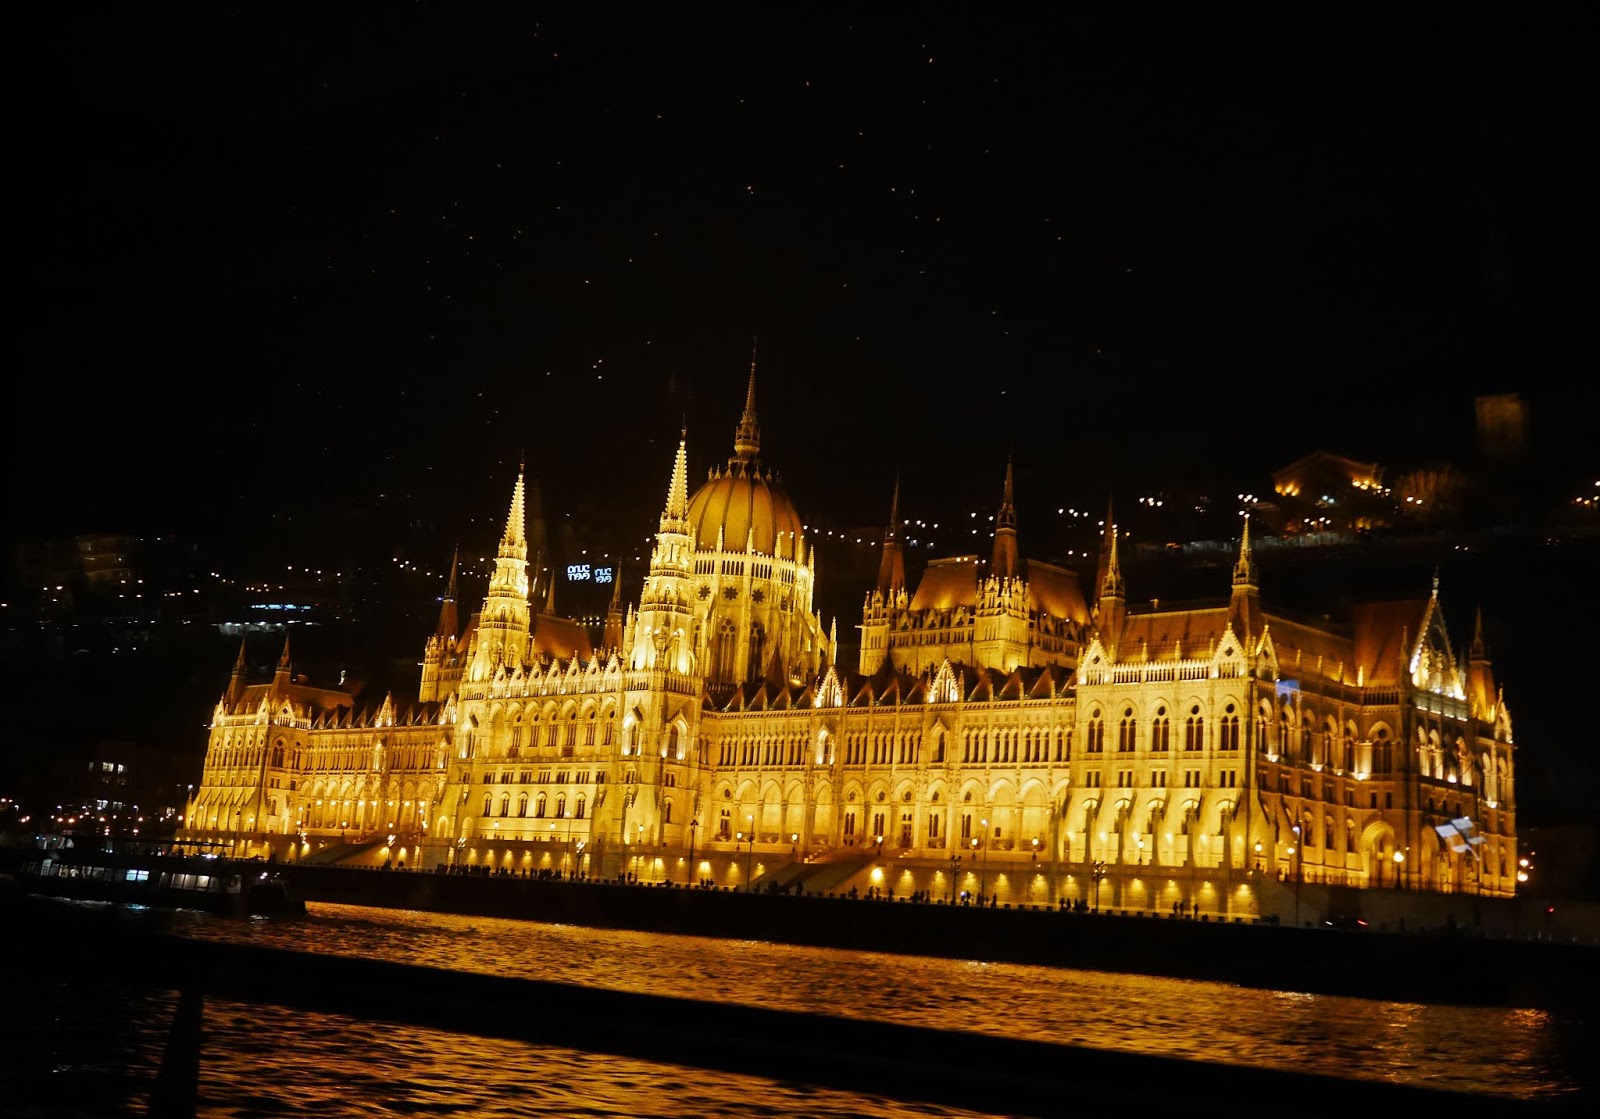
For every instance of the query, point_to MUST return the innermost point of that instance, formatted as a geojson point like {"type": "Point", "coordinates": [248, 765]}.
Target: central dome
{"type": "Point", "coordinates": [745, 505]}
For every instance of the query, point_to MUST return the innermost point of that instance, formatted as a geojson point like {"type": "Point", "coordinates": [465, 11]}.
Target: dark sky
{"type": "Point", "coordinates": [296, 257]}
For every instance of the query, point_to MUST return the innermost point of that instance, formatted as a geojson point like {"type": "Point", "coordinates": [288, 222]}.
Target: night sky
{"type": "Point", "coordinates": [347, 256]}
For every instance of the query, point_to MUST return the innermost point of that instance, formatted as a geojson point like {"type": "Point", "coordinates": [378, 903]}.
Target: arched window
{"type": "Point", "coordinates": [561, 805]}
{"type": "Point", "coordinates": [505, 804]}
{"type": "Point", "coordinates": [1230, 728]}
{"type": "Point", "coordinates": [1382, 752]}
{"type": "Point", "coordinates": [1194, 728]}
{"type": "Point", "coordinates": [1097, 735]}
{"type": "Point", "coordinates": [666, 810]}
{"type": "Point", "coordinates": [758, 646]}
{"type": "Point", "coordinates": [577, 807]}
{"type": "Point", "coordinates": [539, 807]}
{"type": "Point", "coordinates": [1127, 732]}
{"type": "Point", "coordinates": [588, 730]}
{"type": "Point", "coordinates": [1161, 732]}
{"type": "Point", "coordinates": [1327, 832]}
{"type": "Point", "coordinates": [516, 736]}
{"type": "Point", "coordinates": [522, 805]}
{"type": "Point", "coordinates": [488, 803]}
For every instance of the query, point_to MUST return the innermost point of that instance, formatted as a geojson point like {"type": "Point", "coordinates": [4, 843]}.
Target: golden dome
{"type": "Point", "coordinates": [745, 504]}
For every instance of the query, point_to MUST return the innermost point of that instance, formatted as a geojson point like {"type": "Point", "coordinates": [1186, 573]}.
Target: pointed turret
{"type": "Point", "coordinates": [1482, 694]}
{"type": "Point", "coordinates": [236, 683]}
{"type": "Point", "coordinates": [892, 567]}
{"type": "Point", "coordinates": [1112, 611]}
{"type": "Point", "coordinates": [1244, 606]}
{"type": "Point", "coordinates": [611, 632]}
{"type": "Point", "coordinates": [747, 438]}
{"type": "Point", "coordinates": [510, 577]}
{"type": "Point", "coordinates": [1004, 563]}
{"type": "Point", "coordinates": [1107, 541]}
{"type": "Point", "coordinates": [675, 516]}
{"type": "Point", "coordinates": [550, 598]}
{"type": "Point", "coordinates": [282, 676]}
{"type": "Point", "coordinates": [449, 619]}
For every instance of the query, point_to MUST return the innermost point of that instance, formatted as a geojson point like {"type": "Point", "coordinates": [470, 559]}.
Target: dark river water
{"type": "Point", "coordinates": [69, 1052]}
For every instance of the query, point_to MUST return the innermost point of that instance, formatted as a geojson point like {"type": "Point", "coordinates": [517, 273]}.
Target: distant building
{"type": "Point", "coordinates": [996, 712]}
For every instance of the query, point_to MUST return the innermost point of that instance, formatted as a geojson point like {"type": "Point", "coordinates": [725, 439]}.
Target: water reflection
{"type": "Point", "coordinates": [1485, 1050]}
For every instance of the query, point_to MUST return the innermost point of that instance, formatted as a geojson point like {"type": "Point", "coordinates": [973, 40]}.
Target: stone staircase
{"type": "Point", "coordinates": [335, 853]}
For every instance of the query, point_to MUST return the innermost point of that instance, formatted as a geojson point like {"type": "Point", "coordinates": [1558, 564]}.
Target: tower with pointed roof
{"type": "Point", "coordinates": [503, 623]}
{"type": "Point", "coordinates": [888, 597]}
{"type": "Point", "coordinates": [1000, 617]}
{"type": "Point", "coordinates": [664, 626]}
{"type": "Point", "coordinates": [441, 661]}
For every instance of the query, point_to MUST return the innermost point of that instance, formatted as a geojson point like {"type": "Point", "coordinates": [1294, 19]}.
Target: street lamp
{"type": "Point", "coordinates": [1299, 866]}
{"type": "Point", "coordinates": [1399, 860]}
{"type": "Point", "coordinates": [738, 838]}
{"type": "Point", "coordinates": [955, 875]}
{"type": "Point", "coordinates": [983, 863]}
{"type": "Point", "coordinates": [693, 824]}
{"type": "Point", "coordinates": [794, 845]}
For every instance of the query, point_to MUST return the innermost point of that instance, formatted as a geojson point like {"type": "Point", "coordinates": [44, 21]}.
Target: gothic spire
{"type": "Point", "coordinates": [515, 535]}
{"type": "Point", "coordinates": [449, 621]}
{"type": "Point", "coordinates": [510, 578]}
{"type": "Point", "coordinates": [892, 567]}
{"type": "Point", "coordinates": [674, 518]}
{"type": "Point", "coordinates": [1244, 571]}
{"type": "Point", "coordinates": [747, 439]}
{"type": "Point", "coordinates": [1107, 539]}
{"type": "Point", "coordinates": [1112, 587]}
{"type": "Point", "coordinates": [1004, 563]}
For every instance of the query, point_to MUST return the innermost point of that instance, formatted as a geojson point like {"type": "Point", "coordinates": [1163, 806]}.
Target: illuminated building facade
{"type": "Point", "coordinates": [995, 713]}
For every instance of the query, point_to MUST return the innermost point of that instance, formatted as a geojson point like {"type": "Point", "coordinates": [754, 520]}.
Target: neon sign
{"type": "Point", "coordinates": [583, 573]}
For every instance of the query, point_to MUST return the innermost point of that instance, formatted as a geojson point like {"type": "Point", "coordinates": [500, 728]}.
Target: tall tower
{"type": "Point", "coordinates": [1112, 611]}
{"type": "Point", "coordinates": [887, 597]}
{"type": "Point", "coordinates": [1000, 619]}
{"type": "Point", "coordinates": [441, 648]}
{"type": "Point", "coordinates": [1244, 605]}
{"type": "Point", "coordinates": [1003, 564]}
{"type": "Point", "coordinates": [663, 628]}
{"type": "Point", "coordinates": [503, 622]}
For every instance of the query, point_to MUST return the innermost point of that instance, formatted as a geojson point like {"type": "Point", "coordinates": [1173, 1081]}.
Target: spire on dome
{"type": "Point", "coordinates": [1244, 571]}
{"type": "Point", "coordinates": [239, 663]}
{"type": "Point", "coordinates": [1480, 648]}
{"type": "Point", "coordinates": [747, 439]}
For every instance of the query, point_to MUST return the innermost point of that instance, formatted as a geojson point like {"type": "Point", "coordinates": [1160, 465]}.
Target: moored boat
{"type": "Point", "coordinates": [241, 888]}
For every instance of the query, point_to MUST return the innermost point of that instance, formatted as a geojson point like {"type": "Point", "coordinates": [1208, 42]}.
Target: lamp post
{"type": "Point", "coordinates": [983, 864]}
{"type": "Point", "coordinates": [794, 845]}
{"type": "Point", "coordinates": [955, 876]}
{"type": "Point", "coordinates": [693, 824]}
{"type": "Point", "coordinates": [1399, 863]}
{"type": "Point", "coordinates": [750, 852]}
{"type": "Point", "coordinates": [1098, 874]}
{"type": "Point", "coordinates": [1298, 856]}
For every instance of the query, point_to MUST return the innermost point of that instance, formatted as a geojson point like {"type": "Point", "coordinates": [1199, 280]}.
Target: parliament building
{"type": "Point", "coordinates": [1008, 730]}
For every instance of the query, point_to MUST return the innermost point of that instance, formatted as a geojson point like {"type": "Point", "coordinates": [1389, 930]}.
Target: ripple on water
{"type": "Point", "coordinates": [1492, 1051]}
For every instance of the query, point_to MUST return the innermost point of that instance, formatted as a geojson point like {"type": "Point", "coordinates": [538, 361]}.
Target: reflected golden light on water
{"type": "Point", "coordinates": [1489, 1051]}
